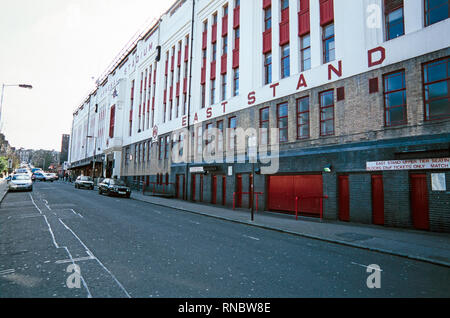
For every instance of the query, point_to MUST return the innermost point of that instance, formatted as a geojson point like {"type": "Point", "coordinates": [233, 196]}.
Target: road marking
{"type": "Point", "coordinates": [98, 261]}
{"type": "Point", "coordinates": [368, 267]}
{"type": "Point", "coordinates": [7, 272]}
{"type": "Point", "coordinates": [46, 204]}
{"type": "Point", "coordinates": [76, 213]}
{"type": "Point", "coordinates": [64, 247]}
{"type": "Point", "coordinates": [80, 259]}
{"type": "Point", "coordinates": [252, 238]}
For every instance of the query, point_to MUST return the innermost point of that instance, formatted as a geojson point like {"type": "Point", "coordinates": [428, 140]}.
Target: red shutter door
{"type": "Point", "coordinates": [419, 201]}
{"type": "Point", "coordinates": [214, 190]}
{"type": "Point", "coordinates": [308, 189]}
{"type": "Point", "coordinates": [239, 190]}
{"type": "Point", "coordinates": [344, 199]}
{"type": "Point", "coordinates": [112, 121]}
{"type": "Point", "coordinates": [281, 193]}
{"type": "Point", "coordinates": [224, 190]}
{"type": "Point", "coordinates": [377, 200]}
{"type": "Point", "coordinates": [193, 186]}
{"type": "Point", "coordinates": [236, 17]}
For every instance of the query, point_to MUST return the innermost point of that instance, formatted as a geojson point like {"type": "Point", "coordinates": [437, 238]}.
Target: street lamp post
{"type": "Point", "coordinates": [3, 92]}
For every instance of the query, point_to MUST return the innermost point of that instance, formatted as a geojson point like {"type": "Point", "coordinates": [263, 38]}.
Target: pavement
{"type": "Point", "coordinates": [423, 246]}
{"type": "Point", "coordinates": [3, 189]}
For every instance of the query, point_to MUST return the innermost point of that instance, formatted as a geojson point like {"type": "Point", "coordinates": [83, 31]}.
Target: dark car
{"type": "Point", "coordinates": [114, 187]}
{"type": "Point", "coordinates": [84, 182]}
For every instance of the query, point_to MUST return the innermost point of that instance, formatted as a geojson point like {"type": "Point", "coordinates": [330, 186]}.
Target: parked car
{"type": "Point", "coordinates": [20, 182]}
{"type": "Point", "coordinates": [114, 187]}
{"type": "Point", "coordinates": [42, 176]}
{"type": "Point", "coordinates": [53, 176]}
{"type": "Point", "coordinates": [84, 182]}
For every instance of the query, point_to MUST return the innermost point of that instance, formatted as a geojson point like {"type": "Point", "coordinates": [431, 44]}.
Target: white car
{"type": "Point", "coordinates": [20, 182]}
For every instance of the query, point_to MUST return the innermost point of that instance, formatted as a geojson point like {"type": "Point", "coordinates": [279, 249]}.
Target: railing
{"type": "Point", "coordinates": [299, 199]}
{"type": "Point", "coordinates": [159, 188]}
{"type": "Point", "coordinates": [257, 194]}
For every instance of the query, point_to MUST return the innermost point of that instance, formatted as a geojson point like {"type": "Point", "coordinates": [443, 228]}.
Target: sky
{"type": "Point", "coordinates": [60, 47]}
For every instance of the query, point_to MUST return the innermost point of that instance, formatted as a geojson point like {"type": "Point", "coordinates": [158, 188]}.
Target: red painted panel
{"type": "Point", "coordinates": [201, 188]}
{"type": "Point", "coordinates": [223, 66]}
{"type": "Point", "coordinates": [285, 15]}
{"type": "Point", "coordinates": [224, 190]}
{"type": "Point", "coordinates": [377, 200]}
{"type": "Point", "coordinates": [178, 89]}
{"type": "Point", "coordinates": [307, 187]}
{"type": "Point", "coordinates": [179, 58]}
{"type": "Point", "coordinates": [304, 5]}
{"type": "Point", "coordinates": [213, 70]}
{"type": "Point", "coordinates": [344, 199]}
{"type": "Point", "coordinates": [214, 34]}
{"type": "Point", "coordinates": [303, 23]}
{"type": "Point", "coordinates": [239, 190]}
{"type": "Point", "coordinates": [267, 3]}
{"type": "Point", "coordinates": [185, 85]}
{"type": "Point", "coordinates": [203, 76]}
{"type": "Point", "coordinates": [284, 189]}
{"type": "Point", "coordinates": [193, 187]}
{"type": "Point", "coordinates": [236, 17]}
{"type": "Point", "coordinates": [267, 41]}
{"type": "Point", "coordinates": [235, 58]}
{"type": "Point", "coordinates": [225, 25]}
{"type": "Point", "coordinates": [419, 201]}
{"type": "Point", "coordinates": [171, 93]}
{"type": "Point", "coordinates": [326, 11]}
{"type": "Point", "coordinates": [186, 53]}
{"type": "Point", "coordinates": [204, 40]}
{"type": "Point", "coordinates": [214, 190]}
{"type": "Point", "coordinates": [284, 33]}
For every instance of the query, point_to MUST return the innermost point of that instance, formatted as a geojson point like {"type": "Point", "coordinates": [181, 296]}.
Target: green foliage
{"type": "Point", "coordinates": [3, 164]}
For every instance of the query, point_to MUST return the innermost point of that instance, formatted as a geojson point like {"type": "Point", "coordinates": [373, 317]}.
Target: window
{"type": "Point", "coordinates": [328, 43]}
{"type": "Point", "coordinates": [267, 18]}
{"type": "Point", "coordinates": [264, 125]}
{"type": "Point", "coordinates": [393, 11]}
{"type": "Point", "coordinates": [326, 100]}
{"type": "Point", "coordinates": [166, 147]}
{"type": "Point", "coordinates": [161, 145]}
{"type": "Point", "coordinates": [224, 87]}
{"type": "Point", "coordinates": [231, 133]}
{"type": "Point", "coordinates": [303, 118]}
{"type": "Point", "coordinates": [209, 136]}
{"type": "Point", "coordinates": [199, 142]}
{"type": "Point", "coordinates": [220, 137]}
{"type": "Point", "coordinates": [283, 121]}
{"type": "Point", "coordinates": [213, 92]}
{"type": "Point", "coordinates": [395, 99]}
{"type": "Point", "coordinates": [268, 68]}
{"type": "Point", "coordinates": [236, 82]}
{"type": "Point", "coordinates": [225, 45]}
{"type": "Point", "coordinates": [285, 62]}
{"type": "Point", "coordinates": [435, 11]}
{"type": "Point", "coordinates": [436, 77]}
{"type": "Point", "coordinates": [203, 94]}
{"type": "Point", "coordinates": [305, 52]}
{"type": "Point", "coordinates": [284, 4]}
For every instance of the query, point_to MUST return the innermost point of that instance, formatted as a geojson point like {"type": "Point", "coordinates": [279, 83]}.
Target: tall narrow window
{"type": "Point", "coordinates": [393, 11]}
{"type": "Point", "coordinates": [395, 99]}
{"type": "Point", "coordinates": [268, 68]}
{"type": "Point", "coordinates": [436, 87]}
{"type": "Point", "coordinates": [303, 118]}
{"type": "Point", "coordinates": [203, 94]}
{"type": "Point", "coordinates": [236, 82]}
{"type": "Point", "coordinates": [220, 136]}
{"type": "Point", "coordinates": [305, 52]}
{"type": "Point", "coordinates": [328, 43]}
{"type": "Point", "coordinates": [264, 125]}
{"type": "Point", "coordinates": [326, 100]}
{"type": "Point", "coordinates": [283, 121]}
{"type": "Point", "coordinates": [435, 11]}
{"type": "Point", "coordinates": [268, 18]}
{"type": "Point", "coordinates": [231, 140]}
{"type": "Point", "coordinates": [213, 92]}
{"type": "Point", "coordinates": [166, 147]}
{"type": "Point", "coordinates": [285, 61]}
{"type": "Point", "coordinates": [112, 121]}
{"type": "Point", "coordinates": [224, 87]}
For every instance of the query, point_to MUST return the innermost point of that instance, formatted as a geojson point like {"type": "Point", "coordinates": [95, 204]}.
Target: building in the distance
{"type": "Point", "coordinates": [356, 93]}
{"type": "Point", "coordinates": [64, 155]}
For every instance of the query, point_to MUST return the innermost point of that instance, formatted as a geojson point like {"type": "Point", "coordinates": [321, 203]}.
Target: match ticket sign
{"type": "Point", "coordinates": [419, 164]}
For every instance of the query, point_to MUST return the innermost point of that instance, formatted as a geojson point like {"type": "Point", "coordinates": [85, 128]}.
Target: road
{"type": "Point", "coordinates": [127, 248]}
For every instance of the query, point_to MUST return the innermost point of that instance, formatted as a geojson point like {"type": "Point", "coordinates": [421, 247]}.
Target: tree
{"type": "Point", "coordinates": [3, 164]}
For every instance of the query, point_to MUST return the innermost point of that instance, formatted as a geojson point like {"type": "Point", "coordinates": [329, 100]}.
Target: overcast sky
{"type": "Point", "coordinates": [58, 46]}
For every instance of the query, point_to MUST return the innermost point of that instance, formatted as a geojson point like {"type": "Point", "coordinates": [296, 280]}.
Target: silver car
{"type": "Point", "coordinates": [84, 182]}
{"type": "Point", "coordinates": [20, 182]}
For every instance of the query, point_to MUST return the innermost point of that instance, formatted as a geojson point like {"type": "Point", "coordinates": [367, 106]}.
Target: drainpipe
{"type": "Point", "coordinates": [188, 137]}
